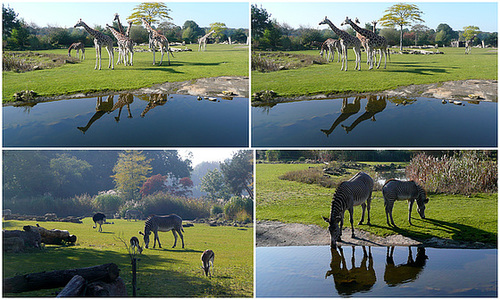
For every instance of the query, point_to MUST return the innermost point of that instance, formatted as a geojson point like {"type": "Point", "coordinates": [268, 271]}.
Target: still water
{"type": "Point", "coordinates": [129, 120]}
{"type": "Point", "coordinates": [319, 271]}
{"type": "Point", "coordinates": [375, 121]}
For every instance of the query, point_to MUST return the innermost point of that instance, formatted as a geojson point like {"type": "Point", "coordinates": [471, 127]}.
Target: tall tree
{"type": "Point", "coordinates": [261, 20]}
{"type": "Point", "coordinates": [470, 32]}
{"type": "Point", "coordinates": [214, 185]}
{"type": "Point", "coordinates": [401, 14]}
{"type": "Point", "coordinates": [131, 171]}
{"type": "Point", "coordinates": [238, 172]}
{"type": "Point", "coordinates": [69, 173]}
{"type": "Point", "coordinates": [10, 21]}
{"type": "Point", "coordinates": [219, 29]}
{"type": "Point", "coordinates": [153, 12]}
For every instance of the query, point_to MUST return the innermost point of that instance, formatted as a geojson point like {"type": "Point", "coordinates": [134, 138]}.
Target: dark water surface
{"type": "Point", "coordinates": [129, 120]}
{"type": "Point", "coordinates": [319, 271]}
{"type": "Point", "coordinates": [375, 121]}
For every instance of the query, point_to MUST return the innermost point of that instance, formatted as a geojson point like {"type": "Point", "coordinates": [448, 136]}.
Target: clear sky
{"type": "Point", "coordinates": [66, 14]}
{"type": "Point", "coordinates": [455, 14]}
{"type": "Point", "coordinates": [208, 154]}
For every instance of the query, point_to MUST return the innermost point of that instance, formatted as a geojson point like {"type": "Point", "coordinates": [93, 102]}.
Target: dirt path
{"type": "Point", "coordinates": [272, 233]}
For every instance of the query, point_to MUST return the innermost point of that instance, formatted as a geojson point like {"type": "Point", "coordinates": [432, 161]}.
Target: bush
{"type": "Point", "coordinates": [77, 206]}
{"type": "Point", "coordinates": [310, 176]}
{"type": "Point", "coordinates": [107, 203]}
{"type": "Point", "coordinates": [238, 208]}
{"type": "Point", "coordinates": [216, 209]}
{"type": "Point", "coordinates": [465, 173]}
{"type": "Point", "coordinates": [187, 208]}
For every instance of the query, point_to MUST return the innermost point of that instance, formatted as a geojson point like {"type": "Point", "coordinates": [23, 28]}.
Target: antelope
{"type": "Point", "coordinates": [207, 259]}
{"type": "Point", "coordinates": [134, 243]}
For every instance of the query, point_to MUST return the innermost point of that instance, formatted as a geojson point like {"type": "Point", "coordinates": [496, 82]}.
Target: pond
{"type": "Point", "coordinates": [129, 120]}
{"type": "Point", "coordinates": [321, 271]}
{"type": "Point", "coordinates": [376, 121]}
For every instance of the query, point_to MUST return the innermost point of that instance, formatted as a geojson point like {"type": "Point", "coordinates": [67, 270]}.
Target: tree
{"type": "Point", "coordinates": [69, 173]}
{"type": "Point", "coordinates": [470, 32]}
{"type": "Point", "coordinates": [219, 29]}
{"type": "Point", "coordinates": [131, 172]}
{"type": "Point", "coordinates": [191, 31]}
{"type": "Point", "coordinates": [445, 34]}
{"type": "Point", "coordinates": [10, 21]}
{"type": "Point", "coordinates": [238, 172]}
{"type": "Point", "coordinates": [401, 15]}
{"type": "Point", "coordinates": [261, 20]}
{"type": "Point", "coordinates": [153, 12]}
{"type": "Point", "coordinates": [153, 184]}
{"type": "Point", "coordinates": [419, 28]}
{"type": "Point", "coordinates": [214, 185]}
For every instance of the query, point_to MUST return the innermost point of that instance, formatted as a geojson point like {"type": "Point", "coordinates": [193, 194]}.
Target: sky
{"type": "Point", "coordinates": [455, 14]}
{"type": "Point", "coordinates": [66, 14]}
{"type": "Point", "coordinates": [208, 154]}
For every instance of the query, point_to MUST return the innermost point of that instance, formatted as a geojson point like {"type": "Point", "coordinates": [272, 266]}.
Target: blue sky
{"type": "Point", "coordinates": [66, 14]}
{"type": "Point", "coordinates": [455, 14]}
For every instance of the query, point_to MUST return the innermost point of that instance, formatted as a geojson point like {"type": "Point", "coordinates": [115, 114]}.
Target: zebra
{"type": "Point", "coordinates": [99, 218]}
{"type": "Point", "coordinates": [394, 189]}
{"type": "Point", "coordinates": [350, 193]}
{"type": "Point", "coordinates": [162, 223]}
{"type": "Point", "coordinates": [134, 243]}
{"type": "Point", "coordinates": [133, 213]}
{"type": "Point", "coordinates": [207, 259]}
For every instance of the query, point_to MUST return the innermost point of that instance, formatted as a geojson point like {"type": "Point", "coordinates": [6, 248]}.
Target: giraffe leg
{"type": "Point", "coordinates": [111, 63]}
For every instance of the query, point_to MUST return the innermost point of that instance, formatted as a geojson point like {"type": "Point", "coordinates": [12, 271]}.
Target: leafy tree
{"type": "Point", "coordinates": [131, 172]}
{"type": "Point", "coordinates": [261, 20]}
{"type": "Point", "coordinates": [188, 35]}
{"type": "Point", "coordinates": [214, 185]}
{"type": "Point", "coordinates": [418, 29]}
{"type": "Point", "coordinates": [69, 173]}
{"type": "Point", "coordinates": [153, 12]}
{"type": "Point", "coordinates": [401, 14]}
{"type": "Point", "coordinates": [10, 21]}
{"type": "Point", "coordinates": [470, 32]}
{"type": "Point", "coordinates": [153, 184]}
{"type": "Point", "coordinates": [169, 163]}
{"type": "Point", "coordinates": [238, 172]}
{"type": "Point", "coordinates": [191, 31]}
{"type": "Point", "coordinates": [445, 34]}
{"type": "Point", "coordinates": [219, 29]}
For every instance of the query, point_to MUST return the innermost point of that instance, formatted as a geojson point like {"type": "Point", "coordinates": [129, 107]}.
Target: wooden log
{"type": "Point", "coordinates": [13, 244]}
{"type": "Point", "coordinates": [30, 238]}
{"type": "Point", "coordinates": [53, 236]}
{"type": "Point", "coordinates": [74, 288]}
{"type": "Point", "coordinates": [54, 279]}
{"type": "Point", "coordinates": [116, 288]}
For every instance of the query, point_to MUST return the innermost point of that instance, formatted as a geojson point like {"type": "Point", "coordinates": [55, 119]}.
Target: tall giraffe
{"type": "Point", "coordinates": [468, 44]}
{"type": "Point", "coordinates": [374, 41]}
{"type": "Point", "coordinates": [125, 46]}
{"type": "Point", "coordinates": [120, 27]}
{"type": "Point", "coordinates": [129, 28]}
{"type": "Point", "coordinates": [346, 41]}
{"type": "Point", "coordinates": [100, 40]}
{"type": "Point", "coordinates": [157, 40]}
{"type": "Point", "coordinates": [202, 42]}
{"type": "Point", "coordinates": [77, 46]}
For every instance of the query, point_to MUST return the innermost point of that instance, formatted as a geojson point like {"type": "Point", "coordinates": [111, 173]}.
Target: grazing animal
{"type": "Point", "coordinates": [99, 218]}
{"type": "Point", "coordinates": [77, 46]}
{"type": "Point", "coordinates": [202, 42]}
{"type": "Point", "coordinates": [355, 191]}
{"type": "Point", "coordinates": [394, 189]}
{"type": "Point", "coordinates": [133, 214]}
{"type": "Point", "coordinates": [134, 244]}
{"type": "Point", "coordinates": [330, 45]}
{"type": "Point", "coordinates": [207, 259]}
{"type": "Point", "coordinates": [100, 40]}
{"type": "Point", "coordinates": [162, 223]}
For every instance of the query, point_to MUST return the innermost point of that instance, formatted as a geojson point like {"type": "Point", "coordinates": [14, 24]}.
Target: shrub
{"type": "Point", "coordinates": [77, 206]}
{"type": "Point", "coordinates": [216, 209]}
{"type": "Point", "coordinates": [310, 176]}
{"type": "Point", "coordinates": [163, 203]}
{"type": "Point", "coordinates": [235, 207]}
{"type": "Point", "coordinates": [107, 203]}
{"type": "Point", "coordinates": [465, 173]}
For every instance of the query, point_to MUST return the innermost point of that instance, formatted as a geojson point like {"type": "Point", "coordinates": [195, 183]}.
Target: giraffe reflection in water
{"type": "Point", "coordinates": [154, 101]}
{"type": "Point", "coordinates": [353, 280]}
{"type": "Point", "coordinates": [108, 106]}
{"type": "Point", "coordinates": [347, 110]}
{"type": "Point", "coordinates": [395, 275]}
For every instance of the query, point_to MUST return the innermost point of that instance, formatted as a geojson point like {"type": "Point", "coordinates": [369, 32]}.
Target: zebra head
{"type": "Point", "coordinates": [146, 237]}
{"type": "Point", "coordinates": [421, 201]}
{"type": "Point", "coordinates": [334, 230]}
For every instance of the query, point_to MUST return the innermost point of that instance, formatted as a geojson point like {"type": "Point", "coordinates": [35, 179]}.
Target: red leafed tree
{"type": "Point", "coordinates": [154, 184]}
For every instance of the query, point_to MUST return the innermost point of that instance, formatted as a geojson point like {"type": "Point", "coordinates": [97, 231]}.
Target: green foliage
{"type": "Point", "coordinates": [470, 32]}
{"type": "Point", "coordinates": [178, 268]}
{"type": "Point", "coordinates": [466, 173]}
{"type": "Point", "coordinates": [401, 14]}
{"type": "Point", "coordinates": [219, 29]}
{"type": "Point", "coordinates": [239, 207]}
{"type": "Point", "coordinates": [40, 205]}
{"type": "Point", "coordinates": [186, 208]}
{"type": "Point", "coordinates": [216, 209]}
{"type": "Point", "coordinates": [238, 172]}
{"type": "Point", "coordinates": [214, 185]}
{"type": "Point", "coordinates": [107, 203]}
{"type": "Point", "coordinates": [311, 176]}
{"type": "Point", "coordinates": [153, 12]}
{"type": "Point", "coordinates": [131, 172]}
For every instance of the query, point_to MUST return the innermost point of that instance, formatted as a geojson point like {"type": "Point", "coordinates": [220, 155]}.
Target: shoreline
{"type": "Point", "coordinates": [278, 234]}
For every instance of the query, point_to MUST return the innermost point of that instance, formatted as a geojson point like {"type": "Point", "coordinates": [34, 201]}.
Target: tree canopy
{"type": "Point", "coordinates": [401, 14]}
{"type": "Point", "coordinates": [153, 12]}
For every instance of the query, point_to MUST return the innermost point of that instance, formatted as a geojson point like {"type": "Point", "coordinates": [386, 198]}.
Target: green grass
{"type": "Point", "coordinates": [402, 70]}
{"type": "Point", "coordinates": [217, 60]}
{"type": "Point", "coordinates": [454, 217]}
{"type": "Point", "coordinates": [168, 272]}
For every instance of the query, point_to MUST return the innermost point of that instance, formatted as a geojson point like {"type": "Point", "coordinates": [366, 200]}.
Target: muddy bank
{"type": "Point", "coordinates": [223, 86]}
{"type": "Point", "coordinates": [462, 90]}
{"type": "Point", "coordinates": [272, 233]}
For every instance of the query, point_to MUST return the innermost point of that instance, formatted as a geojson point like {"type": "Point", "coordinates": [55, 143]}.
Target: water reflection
{"type": "Point", "coordinates": [154, 101]}
{"type": "Point", "coordinates": [356, 279]}
{"type": "Point", "coordinates": [347, 110]}
{"type": "Point", "coordinates": [106, 107]}
{"type": "Point", "coordinates": [395, 275]}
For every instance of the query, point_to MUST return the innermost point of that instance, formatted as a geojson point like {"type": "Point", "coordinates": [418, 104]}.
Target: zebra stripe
{"type": "Point", "coordinates": [394, 189]}
{"type": "Point", "coordinates": [162, 223]}
{"type": "Point", "coordinates": [350, 193]}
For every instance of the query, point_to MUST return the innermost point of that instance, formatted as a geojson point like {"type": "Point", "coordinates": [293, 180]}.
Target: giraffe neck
{"type": "Point", "coordinates": [117, 34]}
{"type": "Point", "coordinates": [91, 31]}
{"type": "Point", "coordinates": [339, 32]}
{"type": "Point", "coordinates": [120, 27]}
{"type": "Point", "coordinates": [362, 31]}
{"type": "Point", "coordinates": [128, 29]}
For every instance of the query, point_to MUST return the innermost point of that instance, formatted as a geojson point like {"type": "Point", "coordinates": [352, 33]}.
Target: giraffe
{"type": "Point", "coordinates": [202, 42]}
{"type": "Point", "coordinates": [346, 41]}
{"type": "Point", "coordinates": [374, 41]}
{"type": "Point", "coordinates": [364, 43]}
{"type": "Point", "coordinates": [77, 46]}
{"type": "Point", "coordinates": [100, 40]}
{"type": "Point", "coordinates": [125, 46]}
{"type": "Point", "coordinates": [154, 101]}
{"type": "Point", "coordinates": [120, 27]}
{"type": "Point", "coordinates": [129, 28]}
{"type": "Point", "coordinates": [331, 45]}
{"type": "Point", "coordinates": [468, 44]}
{"type": "Point", "coordinates": [157, 40]}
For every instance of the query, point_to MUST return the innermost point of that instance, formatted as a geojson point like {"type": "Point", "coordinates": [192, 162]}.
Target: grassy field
{"type": "Point", "coordinates": [176, 272]}
{"type": "Point", "coordinates": [217, 60]}
{"type": "Point", "coordinates": [455, 217]}
{"type": "Point", "coordinates": [401, 70]}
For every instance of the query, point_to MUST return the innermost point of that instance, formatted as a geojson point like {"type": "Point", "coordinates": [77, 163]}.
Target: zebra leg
{"type": "Point", "coordinates": [175, 238]}
{"type": "Point", "coordinates": [157, 237]}
{"type": "Point", "coordinates": [368, 207]}
{"type": "Point", "coordinates": [182, 237]}
{"type": "Point", "coordinates": [363, 207]}
{"type": "Point", "coordinates": [388, 212]}
{"type": "Point", "coordinates": [351, 211]}
{"type": "Point", "coordinates": [410, 206]}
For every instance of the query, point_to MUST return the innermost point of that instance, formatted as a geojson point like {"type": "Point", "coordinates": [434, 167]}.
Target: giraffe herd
{"type": "Point", "coordinates": [369, 39]}
{"type": "Point", "coordinates": [125, 43]}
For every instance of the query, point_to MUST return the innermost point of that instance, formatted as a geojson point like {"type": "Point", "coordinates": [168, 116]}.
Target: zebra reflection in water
{"type": "Point", "coordinates": [395, 275]}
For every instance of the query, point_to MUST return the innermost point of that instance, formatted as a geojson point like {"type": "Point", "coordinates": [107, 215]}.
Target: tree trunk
{"type": "Point", "coordinates": [74, 287]}
{"type": "Point", "coordinates": [401, 39]}
{"type": "Point", "coordinates": [48, 280]}
{"type": "Point", "coordinates": [53, 236]}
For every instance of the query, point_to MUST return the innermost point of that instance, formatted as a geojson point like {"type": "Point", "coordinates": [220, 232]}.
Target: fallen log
{"type": "Point", "coordinates": [54, 279]}
{"type": "Point", "coordinates": [30, 238]}
{"type": "Point", "coordinates": [53, 236]}
{"type": "Point", "coordinates": [74, 288]}
{"type": "Point", "coordinates": [78, 287]}
{"type": "Point", "coordinates": [13, 244]}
